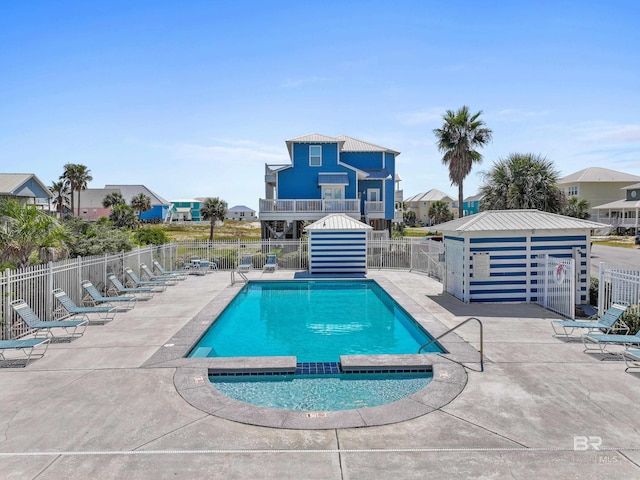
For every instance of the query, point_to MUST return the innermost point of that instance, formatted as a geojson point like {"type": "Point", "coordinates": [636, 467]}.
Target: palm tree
{"type": "Point", "coordinates": [522, 181]}
{"type": "Point", "coordinates": [123, 216]}
{"type": "Point", "coordinates": [61, 200]}
{"type": "Point", "coordinates": [460, 136]}
{"type": "Point", "coordinates": [25, 230]}
{"type": "Point", "coordinates": [213, 209]}
{"type": "Point", "coordinates": [578, 208]}
{"type": "Point", "coordinates": [77, 176]}
{"type": "Point", "coordinates": [439, 212]}
{"type": "Point", "coordinates": [141, 203]}
{"type": "Point", "coordinates": [113, 199]}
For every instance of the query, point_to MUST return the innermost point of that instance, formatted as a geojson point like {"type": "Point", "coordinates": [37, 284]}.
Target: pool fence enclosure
{"type": "Point", "coordinates": [35, 283]}
{"type": "Point", "coordinates": [555, 284]}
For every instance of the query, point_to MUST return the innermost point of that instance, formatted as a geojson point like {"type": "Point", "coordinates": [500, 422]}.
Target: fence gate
{"type": "Point", "coordinates": [555, 281]}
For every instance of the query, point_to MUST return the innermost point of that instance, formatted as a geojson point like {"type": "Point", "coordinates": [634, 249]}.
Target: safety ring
{"type": "Point", "coordinates": [559, 274]}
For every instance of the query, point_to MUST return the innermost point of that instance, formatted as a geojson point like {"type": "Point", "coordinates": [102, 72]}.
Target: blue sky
{"type": "Point", "coordinates": [192, 98]}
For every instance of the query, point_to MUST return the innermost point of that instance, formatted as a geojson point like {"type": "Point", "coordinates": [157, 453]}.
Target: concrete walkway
{"type": "Point", "coordinates": [89, 409]}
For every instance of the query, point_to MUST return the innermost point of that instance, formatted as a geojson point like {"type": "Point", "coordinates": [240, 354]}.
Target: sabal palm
{"type": "Point", "coordinates": [522, 181]}
{"type": "Point", "coordinates": [25, 230]}
{"type": "Point", "coordinates": [578, 208]}
{"type": "Point", "coordinates": [77, 177]}
{"type": "Point", "coordinates": [141, 203]}
{"type": "Point", "coordinates": [113, 199]}
{"type": "Point", "coordinates": [61, 193]}
{"type": "Point", "coordinates": [439, 212]}
{"type": "Point", "coordinates": [213, 209]}
{"type": "Point", "coordinates": [458, 139]}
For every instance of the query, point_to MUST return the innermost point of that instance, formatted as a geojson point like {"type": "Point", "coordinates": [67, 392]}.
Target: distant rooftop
{"type": "Point", "coordinates": [430, 196]}
{"type": "Point", "coordinates": [598, 174]}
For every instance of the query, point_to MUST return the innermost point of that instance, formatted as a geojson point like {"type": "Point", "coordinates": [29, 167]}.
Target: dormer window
{"type": "Point", "coordinates": [315, 156]}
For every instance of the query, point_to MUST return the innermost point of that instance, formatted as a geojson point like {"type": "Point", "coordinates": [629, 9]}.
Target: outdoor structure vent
{"type": "Point", "coordinates": [338, 244]}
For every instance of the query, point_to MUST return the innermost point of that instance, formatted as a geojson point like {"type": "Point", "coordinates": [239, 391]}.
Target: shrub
{"type": "Point", "coordinates": [151, 236]}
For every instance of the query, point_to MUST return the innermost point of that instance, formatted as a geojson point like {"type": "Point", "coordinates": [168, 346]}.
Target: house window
{"type": "Point", "coordinates": [572, 191]}
{"type": "Point", "coordinates": [315, 155]}
{"type": "Point", "coordinates": [332, 193]}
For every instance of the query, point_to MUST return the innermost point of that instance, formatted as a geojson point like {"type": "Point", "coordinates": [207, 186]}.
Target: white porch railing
{"type": "Point", "coordinates": [309, 206]}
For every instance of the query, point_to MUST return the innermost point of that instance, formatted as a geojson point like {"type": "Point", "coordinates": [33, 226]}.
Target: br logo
{"type": "Point", "coordinates": [582, 443]}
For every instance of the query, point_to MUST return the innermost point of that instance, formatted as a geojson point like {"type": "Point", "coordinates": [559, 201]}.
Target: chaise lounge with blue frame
{"type": "Point", "coordinates": [136, 282]}
{"type": "Point", "coordinates": [117, 288]}
{"type": "Point", "coordinates": [105, 313]}
{"type": "Point", "coordinates": [602, 341]}
{"type": "Point", "coordinates": [149, 275]}
{"type": "Point", "coordinates": [95, 298]}
{"type": "Point", "coordinates": [24, 345]}
{"type": "Point", "coordinates": [180, 274]}
{"type": "Point", "coordinates": [271, 265]}
{"type": "Point", "coordinates": [609, 322]}
{"type": "Point", "coordinates": [631, 358]}
{"type": "Point", "coordinates": [72, 327]}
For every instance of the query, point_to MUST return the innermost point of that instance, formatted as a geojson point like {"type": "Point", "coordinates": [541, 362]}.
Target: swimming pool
{"type": "Point", "coordinates": [315, 321]}
{"type": "Point", "coordinates": [329, 392]}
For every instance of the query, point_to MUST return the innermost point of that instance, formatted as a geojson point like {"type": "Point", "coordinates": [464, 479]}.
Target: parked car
{"type": "Point", "coordinates": [638, 239]}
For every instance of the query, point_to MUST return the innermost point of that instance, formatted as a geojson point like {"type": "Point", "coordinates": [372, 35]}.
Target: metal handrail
{"type": "Point", "coordinates": [455, 328]}
{"type": "Point", "coordinates": [233, 278]}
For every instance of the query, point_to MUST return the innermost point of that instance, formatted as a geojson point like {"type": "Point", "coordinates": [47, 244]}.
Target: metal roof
{"type": "Point", "coordinates": [619, 205]}
{"type": "Point", "coordinates": [10, 182]}
{"type": "Point", "coordinates": [598, 174]}
{"type": "Point", "coordinates": [430, 196]}
{"type": "Point", "coordinates": [347, 144]}
{"type": "Point", "coordinates": [93, 197]}
{"type": "Point", "coordinates": [354, 145]}
{"type": "Point", "coordinates": [130, 191]}
{"type": "Point", "coordinates": [240, 208]}
{"type": "Point", "coordinates": [377, 174]}
{"type": "Point", "coordinates": [338, 221]}
{"type": "Point", "coordinates": [333, 178]}
{"type": "Point", "coordinates": [516, 220]}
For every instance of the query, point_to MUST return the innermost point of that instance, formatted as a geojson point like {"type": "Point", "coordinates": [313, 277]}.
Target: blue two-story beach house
{"type": "Point", "coordinates": [330, 175]}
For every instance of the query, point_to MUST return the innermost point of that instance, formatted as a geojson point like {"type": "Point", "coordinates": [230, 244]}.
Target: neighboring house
{"type": "Point", "coordinates": [330, 175]}
{"type": "Point", "coordinates": [623, 215]}
{"type": "Point", "coordinates": [184, 210]}
{"type": "Point", "coordinates": [159, 206]}
{"type": "Point", "coordinates": [471, 205]}
{"type": "Point", "coordinates": [91, 199]}
{"type": "Point", "coordinates": [242, 213]}
{"type": "Point", "coordinates": [597, 185]}
{"type": "Point", "coordinates": [26, 187]}
{"type": "Point", "coordinates": [421, 203]}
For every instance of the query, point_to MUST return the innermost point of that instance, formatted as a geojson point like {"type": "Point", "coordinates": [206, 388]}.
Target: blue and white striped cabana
{"type": "Point", "coordinates": [492, 256]}
{"type": "Point", "coordinates": [338, 244]}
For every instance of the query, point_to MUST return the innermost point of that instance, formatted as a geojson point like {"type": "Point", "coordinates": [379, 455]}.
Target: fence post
{"type": "Point", "coordinates": [5, 304]}
{"type": "Point", "coordinates": [601, 288]}
{"type": "Point", "coordinates": [546, 279]}
{"type": "Point", "coordinates": [48, 302]}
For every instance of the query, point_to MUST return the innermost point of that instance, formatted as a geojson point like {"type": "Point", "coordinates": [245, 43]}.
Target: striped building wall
{"type": "Point", "coordinates": [338, 251]}
{"type": "Point", "coordinates": [503, 268]}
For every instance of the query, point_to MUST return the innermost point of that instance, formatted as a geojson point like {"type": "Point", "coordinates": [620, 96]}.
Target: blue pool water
{"type": "Point", "coordinates": [322, 392]}
{"type": "Point", "coordinates": [315, 321]}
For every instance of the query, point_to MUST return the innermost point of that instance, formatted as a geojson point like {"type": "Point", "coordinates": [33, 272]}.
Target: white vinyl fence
{"type": "Point", "coordinates": [34, 284]}
{"type": "Point", "coordinates": [617, 284]}
{"type": "Point", "coordinates": [555, 280]}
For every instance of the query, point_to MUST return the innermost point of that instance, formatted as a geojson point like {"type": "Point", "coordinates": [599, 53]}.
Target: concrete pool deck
{"type": "Point", "coordinates": [91, 408]}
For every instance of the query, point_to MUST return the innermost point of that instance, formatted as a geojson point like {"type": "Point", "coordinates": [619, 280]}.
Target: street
{"type": "Point", "coordinates": [619, 256]}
